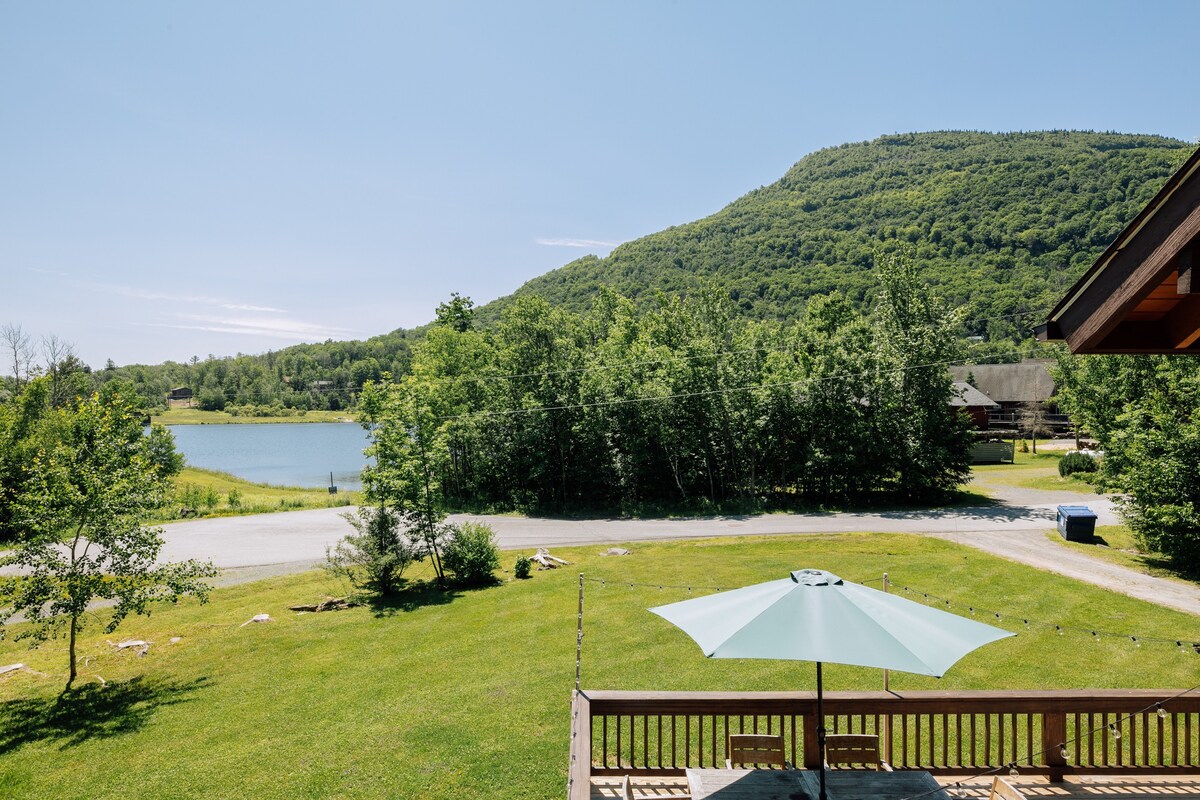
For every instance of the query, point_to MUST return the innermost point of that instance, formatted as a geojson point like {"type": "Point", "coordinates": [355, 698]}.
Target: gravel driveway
{"type": "Point", "coordinates": [1014, 527]}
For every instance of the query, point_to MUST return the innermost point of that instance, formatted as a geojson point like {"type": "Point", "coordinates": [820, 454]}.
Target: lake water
{"type": "Point", "coordinates": [285, 454]}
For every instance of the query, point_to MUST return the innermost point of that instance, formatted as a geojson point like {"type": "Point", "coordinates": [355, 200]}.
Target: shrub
{"type": "Point", "coordinates": [522, 567]}
{"type": "Point", "coordinates": [211, 498]}
{"type": "Point", "coordinates": [235, 498]}
{"type": "Point", "coordinates": [1072, 463]}
{"type": "Point", "coordinates": [375, 559]}
{"type": "Point", "coordinates": [470, 552]}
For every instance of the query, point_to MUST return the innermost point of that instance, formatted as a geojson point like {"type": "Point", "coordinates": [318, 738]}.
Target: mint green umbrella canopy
{"type": "Point", "coordinates": [816, 616]}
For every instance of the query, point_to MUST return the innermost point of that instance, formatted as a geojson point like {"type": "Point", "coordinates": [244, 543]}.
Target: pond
{"type": "Point", "coordinates": [283, 454]}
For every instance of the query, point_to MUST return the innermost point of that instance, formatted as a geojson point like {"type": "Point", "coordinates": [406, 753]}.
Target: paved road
{"type": "Point", "coordinates": [1014, 527]}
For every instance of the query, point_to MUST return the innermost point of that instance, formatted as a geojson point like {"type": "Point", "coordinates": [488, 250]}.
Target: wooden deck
{"type": "Point", "coordinates": [1087, 787]}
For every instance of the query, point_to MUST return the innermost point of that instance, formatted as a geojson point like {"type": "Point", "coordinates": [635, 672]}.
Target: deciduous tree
{"type": "Point", "coordinates": [80, 519]}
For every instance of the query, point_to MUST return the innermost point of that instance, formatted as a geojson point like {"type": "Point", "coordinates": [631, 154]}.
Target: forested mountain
{"type": "Point", "coordinates": [1002, 223]}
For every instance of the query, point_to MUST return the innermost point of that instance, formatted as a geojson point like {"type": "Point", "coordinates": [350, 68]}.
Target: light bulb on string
{"type": "Point", "coordinates": [1058, 629]}
{"type": "Point", "coordinates": [1136, 643]}
{"type": "Point", "coordinates": [1012, 769]}
{"type": "Point", "coordinates": [1162, 712]}
{"type": "Point", "coordinates": [1062, 751]}
{"type": "Point", "coordinates": [1114, 730]}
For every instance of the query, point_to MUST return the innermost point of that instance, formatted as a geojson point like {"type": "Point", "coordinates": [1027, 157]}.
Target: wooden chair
{"type": "Point", "coordinates": [756, 748]}
{"type": "Point", "coordinates": [854, 748]}
{"type": "Point", "coordinates": [1003, 790]}
{"type": "Point", "coordinates": [627, 793]}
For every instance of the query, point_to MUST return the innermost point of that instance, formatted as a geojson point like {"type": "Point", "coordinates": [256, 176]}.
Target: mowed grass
{"type": "Point", "coordinates": [1115, 543]}
{"type": "Point", "coordinates": [208, 492]}
{"type": "Point", "coordinates": [465, 694]}
{"type": "Point", "coordinates": [1033, 471]}
{"type": "Point", "coordinates": [194, 416]}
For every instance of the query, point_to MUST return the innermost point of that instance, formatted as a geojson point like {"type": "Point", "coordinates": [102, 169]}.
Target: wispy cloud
{"type": "Point", "coordinates": [576, 243]}
{"type": "Point", "coordinates": [273, 327]}
{"type": "Point", "coordinates": [199, 299]}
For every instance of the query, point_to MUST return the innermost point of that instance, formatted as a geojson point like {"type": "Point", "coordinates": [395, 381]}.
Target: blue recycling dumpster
{"type": "Point", "coordinates": [1076, 523]}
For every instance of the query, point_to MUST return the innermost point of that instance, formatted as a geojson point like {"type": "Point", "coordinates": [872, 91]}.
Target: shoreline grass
{"type": "Point", "coordinates": [218, 494]}
{"type": "Point", "coordinates": [464, 693]}
{"type": "Point", "coordinates": [194, 416]}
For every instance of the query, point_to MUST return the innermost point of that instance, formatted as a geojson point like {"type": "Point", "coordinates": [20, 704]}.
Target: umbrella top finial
{"type": "Point", "coordinates": [816, 577]}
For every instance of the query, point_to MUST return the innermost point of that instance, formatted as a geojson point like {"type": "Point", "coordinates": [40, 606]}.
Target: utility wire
{"type": "Point", "coordinates": [706, 392]}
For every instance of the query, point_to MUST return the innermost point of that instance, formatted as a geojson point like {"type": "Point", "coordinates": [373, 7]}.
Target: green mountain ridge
{"type": "Point", "coordinates": [1001, 221]}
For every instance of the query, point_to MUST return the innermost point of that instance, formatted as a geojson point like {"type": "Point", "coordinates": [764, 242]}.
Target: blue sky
{"type": "Point", "coordinates": [185, 179]}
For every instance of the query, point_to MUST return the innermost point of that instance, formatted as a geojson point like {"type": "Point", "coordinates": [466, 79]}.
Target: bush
{"type": "Point", "coordinates": [235, 498]}
{"type": "Point", "coordinates": [1072, 463]}
{"type": "Point", "coordinates": [522, 567]}
{"type": "Point", "coordinates": [470, 552]}
{"type": "Point", "coordinates": [374, 559]}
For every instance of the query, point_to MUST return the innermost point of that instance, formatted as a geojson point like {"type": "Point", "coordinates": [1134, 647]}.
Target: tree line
{"type": "Point", "coordinates": [688, 404]}
{"type": "Point", "coordinates": [1142, 411]}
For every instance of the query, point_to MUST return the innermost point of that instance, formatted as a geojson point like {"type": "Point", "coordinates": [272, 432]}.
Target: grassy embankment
{"type": "Point", "coordinates": [194, 416]}
{"type": "Point", "coordinates": [465, 694]}
{"type": "Point", "coordinates": [219, 494]}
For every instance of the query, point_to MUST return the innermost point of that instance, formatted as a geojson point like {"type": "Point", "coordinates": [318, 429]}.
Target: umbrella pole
{"type": "Point", "coordinates": [821, 729]}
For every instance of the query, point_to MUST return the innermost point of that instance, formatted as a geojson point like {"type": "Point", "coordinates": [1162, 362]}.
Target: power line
{"type": "Point", "coordinates": [709, 392]}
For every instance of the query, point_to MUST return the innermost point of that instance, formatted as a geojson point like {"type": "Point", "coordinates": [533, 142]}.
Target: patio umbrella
{"type": "Point", "coordinates": [816, 616]}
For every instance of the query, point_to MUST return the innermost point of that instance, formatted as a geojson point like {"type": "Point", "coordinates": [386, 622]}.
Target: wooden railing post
{"type": "Point", "coordinates": [812, 750]}
{"type": "Point", "coordinates": [579, 773]}
{"type": "Point", "coordinates": [1054, 734]}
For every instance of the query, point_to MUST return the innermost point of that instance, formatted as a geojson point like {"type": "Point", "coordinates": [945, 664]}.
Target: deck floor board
{"type": "Point", "coordinates": [1086, 787]}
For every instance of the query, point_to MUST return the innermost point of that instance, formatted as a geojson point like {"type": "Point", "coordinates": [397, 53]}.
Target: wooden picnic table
{"type": "Point", "coordinates": [802, 784]}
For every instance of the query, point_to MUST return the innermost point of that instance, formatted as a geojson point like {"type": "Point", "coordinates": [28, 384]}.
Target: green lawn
{"type": "Point", "coordinates": [209, 492]}
{"type": "Point", "coordinates": [1030, 471]}
{"type": "Point", "coordinates": [194, 416]}
{"type": "Point", "coordinates": [1115, 543]}
{"type": "Point", "coordinates": [466, 694]}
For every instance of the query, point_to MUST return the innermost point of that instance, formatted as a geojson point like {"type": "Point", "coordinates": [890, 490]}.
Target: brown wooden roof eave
{"type": "Point", "coordinates": [1142, 252]}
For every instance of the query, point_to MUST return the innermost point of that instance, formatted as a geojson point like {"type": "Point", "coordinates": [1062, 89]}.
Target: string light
{"type": "Point", "coordinates": [1062, 751]}
{"type": "Point", "coordinates": [1114, 730]}
{"type": "Point", "coordinates": [1162, 712]}
{"type": "Point", "coordinates": [1186, 647]}
{"type": "Point", "coordinates": [1012, 769]}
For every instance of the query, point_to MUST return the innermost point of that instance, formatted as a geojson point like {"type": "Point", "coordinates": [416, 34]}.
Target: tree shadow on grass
{"type": "Point", "coordinates": [92, 711]}
{"type": "Point", "coordinates": [420, 594]}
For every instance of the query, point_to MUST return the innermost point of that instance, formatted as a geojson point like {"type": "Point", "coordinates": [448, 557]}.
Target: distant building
{"type": "Point", "coordinates": [1010, 385]}
{"type": "Point", "coordinates": [1014, 387]}
{"type": "Point", "coordinates": [180, 397]}
{"type": "Point", "coordinates": [974, 402]}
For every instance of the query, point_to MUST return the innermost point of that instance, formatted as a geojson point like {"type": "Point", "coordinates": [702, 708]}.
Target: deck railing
{"type": "Point", "coordinates": [947, 733]}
